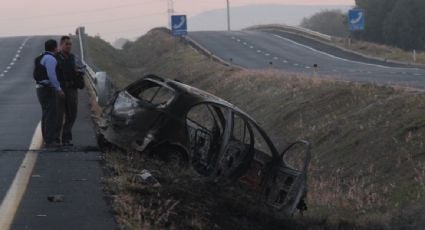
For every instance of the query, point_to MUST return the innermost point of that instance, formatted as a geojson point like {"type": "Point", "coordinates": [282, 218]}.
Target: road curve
{"type": "Point", "coordinates": [262, 50]}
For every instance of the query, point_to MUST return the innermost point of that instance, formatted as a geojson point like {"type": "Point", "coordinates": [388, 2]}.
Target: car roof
{"type": "Point", "coordinates": [198, 94]}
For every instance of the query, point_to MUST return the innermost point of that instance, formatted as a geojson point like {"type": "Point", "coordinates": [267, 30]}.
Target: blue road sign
{"type": "Point", "coordinates": [179, 25]}
{"type": "Point", "coordinates": [356, 19]}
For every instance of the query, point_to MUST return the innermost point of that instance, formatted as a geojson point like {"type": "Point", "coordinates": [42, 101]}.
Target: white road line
{"type": "Point", "coordinates": [267, 54]}
{"type": "Point", "coordinates": [14, 195]}
{"type": "Point", "coordinates": [2, 75]}
{"type": "Point", "coordinates": [8, 68]}
{"type": "Point", "coordinates": [259, 51]}
{"type": "Point", "coordinates": [296, 64]}
{"type": "Point", "coordinates": [285, 61]}
{"type": "Point", "coordinates": [245, 43]}
{"type": "Point", "coordinates": [251, 47]}
{"type": "Point", "coordinates": [276, 58]}
{"type": "Point", "coordinates": [308, 67]}
{"type": "Point", "coordinates": [5, 71]}
{"type": "Point", "coordinates": [333, 56]}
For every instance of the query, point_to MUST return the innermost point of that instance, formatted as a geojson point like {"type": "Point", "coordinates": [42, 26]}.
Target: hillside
{"type": "Point", "coordinates": [368, 169]}
{"type": "Point", "coordinates": [245, 16]}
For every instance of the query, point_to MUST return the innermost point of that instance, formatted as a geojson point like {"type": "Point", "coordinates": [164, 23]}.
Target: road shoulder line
{"type": "Point", "coordinates": [14, 195]}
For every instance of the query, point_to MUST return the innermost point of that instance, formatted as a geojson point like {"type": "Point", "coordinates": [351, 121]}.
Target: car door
{"type": "Point", "coordinates": [285, 185]}
{"type": "Point", "coordinates": [206, 127]}
{"type": "Point", "coordinates": [237, 151]}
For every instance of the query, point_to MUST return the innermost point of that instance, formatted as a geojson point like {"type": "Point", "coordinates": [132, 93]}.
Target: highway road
{"type": "Point", "coordinates": [74, 173]}
{"type": "Point", "coordinates": [20, 111]}
{"type": "Point", "coordinates": [262, 50]}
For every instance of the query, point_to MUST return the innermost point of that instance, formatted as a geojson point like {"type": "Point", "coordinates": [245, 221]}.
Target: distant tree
{"type": "Point", "coordinates": [330, 22]}
{"type": "Point", "coordinates": [394, 22]}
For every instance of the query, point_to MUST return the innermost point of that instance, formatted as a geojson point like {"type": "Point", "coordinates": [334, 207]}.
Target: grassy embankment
{"type": "Point", "coordinates": [381, 51]}
{"type": "Point", "coordinates": [369, 153]}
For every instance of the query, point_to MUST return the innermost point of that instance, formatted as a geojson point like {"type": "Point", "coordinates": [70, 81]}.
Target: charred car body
{"type": "Point", "coordinates": [217, 139]}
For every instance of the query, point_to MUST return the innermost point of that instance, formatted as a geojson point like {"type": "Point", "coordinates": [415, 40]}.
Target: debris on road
{"type": "Point", "coordinates": [56, 198]}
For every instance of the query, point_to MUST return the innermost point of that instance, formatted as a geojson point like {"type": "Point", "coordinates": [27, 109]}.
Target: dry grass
{"type": "Point", "coordinates": [382, 51]}
{"type": "Point", "coordinates": [368, 140]}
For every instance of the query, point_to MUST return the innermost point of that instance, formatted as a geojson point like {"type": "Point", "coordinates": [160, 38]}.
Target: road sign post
{"type": "Point", "coordinates": [179, 25]}
{"type": "Point", "coordinates": [356, 19]}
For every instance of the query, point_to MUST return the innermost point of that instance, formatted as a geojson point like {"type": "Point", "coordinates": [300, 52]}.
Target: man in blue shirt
{"type": "Point", "coordinates": [48, 91]}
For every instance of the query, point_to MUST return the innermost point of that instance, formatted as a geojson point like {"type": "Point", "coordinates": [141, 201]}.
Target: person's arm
{"type": "Point", "coordinates": [50, 64]}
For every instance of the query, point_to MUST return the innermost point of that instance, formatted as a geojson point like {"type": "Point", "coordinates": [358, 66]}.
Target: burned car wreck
{"type": "Point", "coordinates": [221, 142]}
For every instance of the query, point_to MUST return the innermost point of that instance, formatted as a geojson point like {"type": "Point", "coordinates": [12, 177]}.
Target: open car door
{"type": "Point", "coordinates": [285, 187]}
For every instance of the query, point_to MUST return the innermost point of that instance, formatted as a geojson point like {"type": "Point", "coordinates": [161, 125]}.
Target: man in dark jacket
{"type": "Point", "coordinates": [48, 92]}
{"type": "Point", "coordinates": [69, 79]}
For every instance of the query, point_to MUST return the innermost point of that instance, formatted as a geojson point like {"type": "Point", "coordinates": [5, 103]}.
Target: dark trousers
{"type": "Point", "coordinates": [47, 97]}
{"type": "Point", "coordinates": [67, 113]}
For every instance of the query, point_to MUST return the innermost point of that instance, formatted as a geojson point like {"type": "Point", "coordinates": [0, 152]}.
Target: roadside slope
{"type": "Point", "coordinates": [369, 153]}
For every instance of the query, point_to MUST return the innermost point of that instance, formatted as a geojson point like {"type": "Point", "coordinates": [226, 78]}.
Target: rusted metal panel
{"type": "Point", "coordinates": [220, 141]}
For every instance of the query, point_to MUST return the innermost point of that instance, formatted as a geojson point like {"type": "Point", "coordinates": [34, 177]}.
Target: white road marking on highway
{"type": "Point", "coordinates": [285, 61]}
{"type": "Point", "coordinates": [333, 56]}
{"type": "Point", "coordinates": [252, 47]}
{"type": "Point", "coordinates": [296, 64]}
{"type": "Point", "coordinates": [259, 51]}
{"type": "Point", "coordinates": [8, 68]}
{"type": "Point", "coordinates": [276, 58]}
{"type": "Point", "coordinates": [233, 38]}
{"type": "Point", "coordinates": [267, 54]}
{"type": "Point", "coordinates": [5, 71]}
{"type": "Point", "coordinates": [245, 44]}
{"type": "Point", "coordinates": [308, 67]}
{"type": "Point", "coordinates": [2, 75]}
{"type": "Point", "coordinates": [14, 195]}
{"type": "Point", "coordinates": [417, 74]}
{"type": "Point", "coordinates": [238, 40]}
{"type": "Point", "coordinates": [12, 63]}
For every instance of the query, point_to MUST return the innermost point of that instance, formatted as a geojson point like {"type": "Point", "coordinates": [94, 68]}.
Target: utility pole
{"type": "Point", "coordinates": [228, 15]}
{"type": "Point", "coordinates": [170, 12]}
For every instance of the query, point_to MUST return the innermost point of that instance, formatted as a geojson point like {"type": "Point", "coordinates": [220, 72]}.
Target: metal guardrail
{"type": "Point", "coordinates": [293, 29]}
{"type": "Point", "coordinates": [99, 81]}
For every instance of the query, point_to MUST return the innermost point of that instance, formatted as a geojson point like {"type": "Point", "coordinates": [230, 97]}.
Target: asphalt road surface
{"type": "Point", "coordinates": [73, 173]}
{"type": "Point", "coordinates": [20, 111]}
{"type": "Point", "coordinates": [262, 50]}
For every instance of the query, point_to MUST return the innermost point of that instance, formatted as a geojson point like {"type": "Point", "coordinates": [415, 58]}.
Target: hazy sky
{"type": "Point", "coordinates": [110, 18]}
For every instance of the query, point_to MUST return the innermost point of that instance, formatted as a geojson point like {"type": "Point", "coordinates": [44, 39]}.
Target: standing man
{"type": "Point", "coordinates": [48, 91]}
{"type": "Point", "coordinates": [71, 80]}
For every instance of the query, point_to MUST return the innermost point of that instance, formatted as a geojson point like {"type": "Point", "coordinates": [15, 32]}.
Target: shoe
{"type": "Point", "coordinates": [53, 145]}
{"type": "Point", "coordinates": [67, 144]}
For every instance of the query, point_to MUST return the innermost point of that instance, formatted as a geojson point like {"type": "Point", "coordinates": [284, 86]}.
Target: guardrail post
{"type": "Point", "coordinates": [414, 55]}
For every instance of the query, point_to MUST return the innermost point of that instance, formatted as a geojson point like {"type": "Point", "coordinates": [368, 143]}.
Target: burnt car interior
{"type": "Point", "coordinates": [221, 142]}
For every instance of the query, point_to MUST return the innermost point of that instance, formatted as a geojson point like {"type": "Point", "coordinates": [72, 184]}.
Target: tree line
{"type": "Point", "coordinates": [398, 23]}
